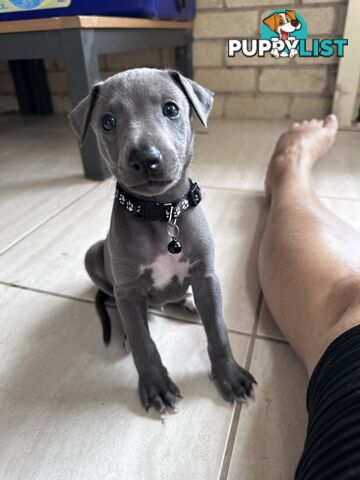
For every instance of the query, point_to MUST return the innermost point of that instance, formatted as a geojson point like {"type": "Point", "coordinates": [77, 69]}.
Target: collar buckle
{"type": "Point", "coordinates": [156, 211]}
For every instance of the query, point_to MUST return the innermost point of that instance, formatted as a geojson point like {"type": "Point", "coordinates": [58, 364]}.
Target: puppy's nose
{"type": "Point", "coordinates": [147, 160]}
{"type": "Point", "coordinates": [294, 23]}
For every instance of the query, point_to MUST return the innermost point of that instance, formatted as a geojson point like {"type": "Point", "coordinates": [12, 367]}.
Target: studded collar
{"type": "Point", "coordinates": [151, 211]}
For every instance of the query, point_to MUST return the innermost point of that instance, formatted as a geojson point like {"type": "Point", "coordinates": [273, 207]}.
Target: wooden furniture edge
{"type": "Point", "coordinates": [84, 21]}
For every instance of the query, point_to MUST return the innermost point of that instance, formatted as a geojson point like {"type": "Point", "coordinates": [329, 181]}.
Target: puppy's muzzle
{"type": "Point", "coordinates": [146, 161]}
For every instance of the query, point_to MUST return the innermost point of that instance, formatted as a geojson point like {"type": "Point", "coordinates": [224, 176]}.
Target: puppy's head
{"type": "Point", "coordinates": [283, 23]}
{"type": "Point", "coordinates": [143, 124]}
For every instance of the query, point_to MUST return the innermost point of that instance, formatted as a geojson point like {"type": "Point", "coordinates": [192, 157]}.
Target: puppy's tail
{"type": "Point", "coordinates": [100, 300]}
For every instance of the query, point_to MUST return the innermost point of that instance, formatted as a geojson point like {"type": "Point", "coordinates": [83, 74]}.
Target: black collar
{"type": "Point", "coordinates": [150, 211]}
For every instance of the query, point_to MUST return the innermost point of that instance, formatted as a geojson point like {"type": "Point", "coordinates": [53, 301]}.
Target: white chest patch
{"type": "Point", "coordinates": [165, 267]}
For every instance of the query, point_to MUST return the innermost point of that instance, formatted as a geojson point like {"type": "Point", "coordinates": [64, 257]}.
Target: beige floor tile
{"type": "Point", "coordinates": [267, 326]}
{"type": "Point", "coordinates": [18, 140]}
{"type": "Point", "coordinates": [34, 122]}
{"type": "Point", "coordinates": [349, 211]}
{"type": "Point", "coordinates": [69, 406]}
{"type": "Point", "coordinates": [56, 153]}
{"type": "Point", "coordinates": [52, 258]}
{"type": "Point", "coordinates": [28, 199]}
{"type": "Point", "coordinates": [271, 430]}
{"type": "Point", "coordinates": [337, 174]}
{"type": "Point", "coordinates": [235, 153]}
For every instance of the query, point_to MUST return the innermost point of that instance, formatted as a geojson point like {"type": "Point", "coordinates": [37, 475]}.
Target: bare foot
{"type": "Point", "coordinates": [298, 149]}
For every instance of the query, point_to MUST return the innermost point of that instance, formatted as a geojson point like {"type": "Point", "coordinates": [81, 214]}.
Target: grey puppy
{"type": "Point", "coordinates": [142, 119]}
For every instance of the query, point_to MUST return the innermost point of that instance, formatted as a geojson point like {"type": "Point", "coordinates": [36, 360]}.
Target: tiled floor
{"type": "Point", "coordinates": [69, 407]}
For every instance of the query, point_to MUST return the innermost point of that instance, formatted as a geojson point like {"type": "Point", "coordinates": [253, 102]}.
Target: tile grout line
{"type": "Point", "coordinates": [272, 339]}
{"type": "Point", "coordinates": [238, 407]}
{"type": "Point", "coordinates": [150, 310]}
{"type": "Point", "coordinates": [44, 173]}
{"type": "Point", "coordinates": [261, 193]}
{"type": "Point", "coordinates": [235, 190]}
{"type": "Point", "coordinates": [46, 292]}
{"type": "Point", "coordinates": [48, 219]}
{"type": "Point", "coordinates": [26, 145]}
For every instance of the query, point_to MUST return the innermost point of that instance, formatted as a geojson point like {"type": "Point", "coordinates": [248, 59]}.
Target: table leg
{"type": "Point", "coordinates": [183, 57]}
{"type": "Point", "coordinates": [82, 67]}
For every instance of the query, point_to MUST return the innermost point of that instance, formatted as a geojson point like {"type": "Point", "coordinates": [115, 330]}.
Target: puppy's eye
{"type": "Point", "coordinates": [171, 110]}
{"type": "Point", "coordinates": [281, 21]}
{"type": "Point", "coordinates": [108, 122]}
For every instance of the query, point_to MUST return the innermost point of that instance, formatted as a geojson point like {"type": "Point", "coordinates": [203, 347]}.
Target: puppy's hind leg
{"type": "Point", "coordinates": [94, 264]}
{"type": "Point", "coordinates": [95, 267]}
{"type": "Point", "coordinates": [100, 299]}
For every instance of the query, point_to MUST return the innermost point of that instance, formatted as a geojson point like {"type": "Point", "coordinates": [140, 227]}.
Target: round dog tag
{"type": "Point", "coordinates": [175, 246]}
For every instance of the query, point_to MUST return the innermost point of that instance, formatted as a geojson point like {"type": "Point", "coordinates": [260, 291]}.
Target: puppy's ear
{"type": "Point", "coordinates": [291, 14]}
{"type": "Point", "coordinates": [81, 115]}
{"type": "Point", "coordinates": [272, 21]}
{"type": "Point", "coordinates": [200, 98]}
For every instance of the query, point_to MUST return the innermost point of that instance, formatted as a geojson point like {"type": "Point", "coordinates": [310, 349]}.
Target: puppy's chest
{"type": "Point", "coordinates": [166, 267]}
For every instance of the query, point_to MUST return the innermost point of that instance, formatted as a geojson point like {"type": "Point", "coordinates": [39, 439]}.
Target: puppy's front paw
{"type": "Point", "coordinates": [232, 381]}
{"type": "Point", "coordinates": [157, 390]}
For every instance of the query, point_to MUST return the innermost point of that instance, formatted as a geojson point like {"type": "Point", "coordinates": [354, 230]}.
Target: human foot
{"type": "Point", "coordinates": [298, 149]}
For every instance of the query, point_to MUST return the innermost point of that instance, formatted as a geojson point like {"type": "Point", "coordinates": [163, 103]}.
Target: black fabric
{"type": "Point", "coordinates": [152, 211]}
{"type": "Point", "coordinates": [332, 445]}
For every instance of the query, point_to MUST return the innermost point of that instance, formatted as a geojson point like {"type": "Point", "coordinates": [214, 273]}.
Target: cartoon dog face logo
{"type": "Point", "coordinates": [283, 24]}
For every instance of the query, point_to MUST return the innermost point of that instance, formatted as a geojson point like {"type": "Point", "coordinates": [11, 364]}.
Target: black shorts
{"type": "Point", "coordinates": [332, 445]}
